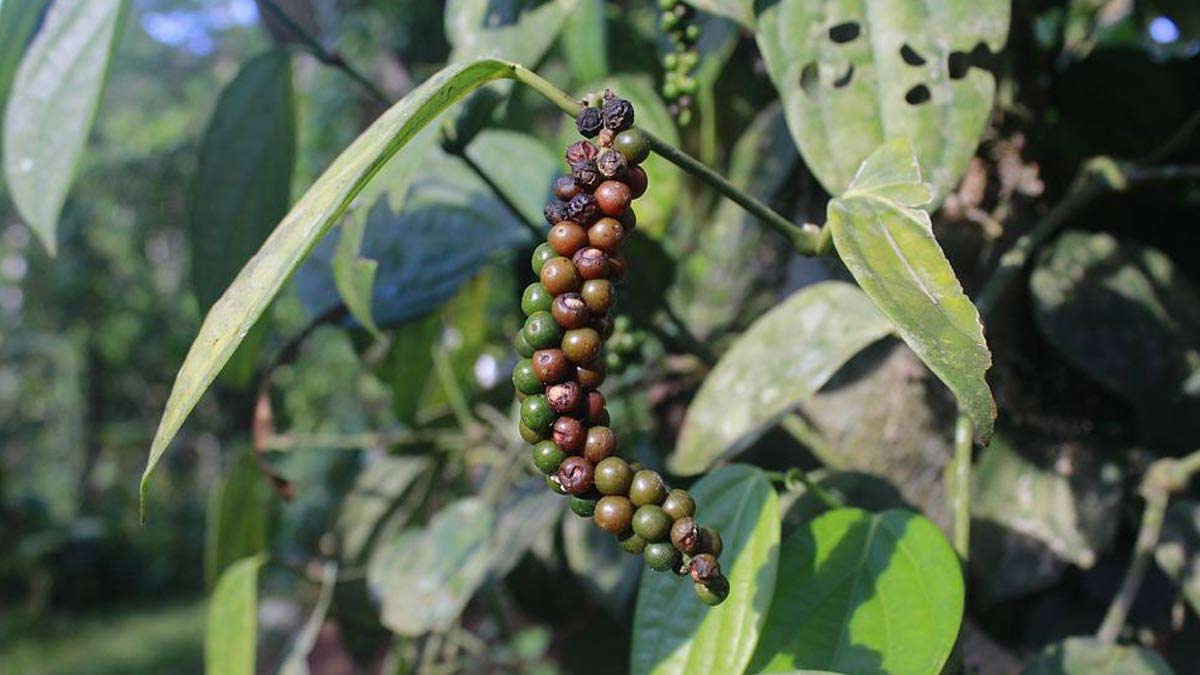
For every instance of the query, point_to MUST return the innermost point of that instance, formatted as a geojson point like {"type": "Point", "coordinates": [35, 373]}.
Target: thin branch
{"type": "Point", "coordinates": [323, 55]}
{"type": "Point", "coordinates": [958, 473]}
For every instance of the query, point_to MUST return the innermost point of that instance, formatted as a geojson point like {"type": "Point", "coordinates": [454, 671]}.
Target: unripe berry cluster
{"type": "Point", "coordinates": [678, 84]}
{"type": "Point", "coordinates": [568, 319]}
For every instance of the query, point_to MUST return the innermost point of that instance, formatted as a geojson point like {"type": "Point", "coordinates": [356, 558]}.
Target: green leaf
{"type": "Point", "coordinates": [260, 280]}
{"type": "Point", "coordinates": [673, 632]}
{"type": "Point", "coordinates": [52, 105]}
{"type": "Point", "coordinates": [296, 662]}
{"type": "Point", "coordinates": [845, 98]}
{"type": "Point", "coordinates": [425, 578]}
{"type": "Point", "coordinates": [378, 504]}
{"type": "Point", "coordinates": [18, 20]}
{"type": "Point", "coordinates": [1178, 550]}
{"type": "Point", "coordinates": [741, 11]}
{"type": "Point", "coordinates": [244, 175]}
{"type": "Point", "coordinates": [354, 275]}
{"type": "Point", "coordinates": [237, 517]}
{"type": "Point", "coordinates": [584, 41]}
{"type": "Point", "coordinates": [499, 29]}
{"type": "Point", "coordinates": [888, 245]}
{"type": "Point", "coordinates": [654, 208]}
{"type": "Point", "coordinates": [529, 514]}
{"type": "Point", "coordinates": [1124, 314]}
{"type": "Point", "coordinates": [813, 332]}
{"type": "Point", "coordinates": [1037, 505]}
{"type": "Point", "coordinates": [232, 634]}
{"type": "Point", "coordinates": [408, 365]}
{"type": "Point", "coordinates": [1086, 656]}
{"type": "Point", "coordinates": [852, 488]}
{"type": "Point", "coordinates": [863, 593]}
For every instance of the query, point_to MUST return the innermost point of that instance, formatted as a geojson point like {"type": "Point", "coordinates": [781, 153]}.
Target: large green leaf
{"type": "Point", "coordinates": [584, 41]}
{"type": "Point", "coordinates": [425, 578]}
{"type": "Point", "coordinates": [243, 178]}
{"type": "Point", "coordinates": [673, 632]}
{"type": "Point", "coordinates": [811, 334]}
{"type": "Point", "coordinates": [854, 74]}
{"type": "Point", "coordinates": [18, 20]}
{"type": "Point", "coordinates": [260, 280]}
{"type": "Point", "coordinates": [887, 243]}
{"type": "Point", "coordinates": [1125, 315]}
{"type": "Point", "coordinates": [237, 517]}
{"type": "Point", "coordinates": [499, 29]}
{"type": "Point", "coordinates": [1086, 656]}
{"type": "Point", "coordinates": [232, 635]}
{"type": "Point", "coordinates": [1178, 550]}
{"type": "Point", "coordinates": [528, 514]}
{"type": "Point", "coordinates": [379, 503]}
{"type": "Point", "coordinates": [1037, 506]}
{"type": "Point", "coordinates": [52, 105]}
{"type": "Point", "coordinates": [655, 207]}
{"type": "Point", "coordinates": [863, 593]}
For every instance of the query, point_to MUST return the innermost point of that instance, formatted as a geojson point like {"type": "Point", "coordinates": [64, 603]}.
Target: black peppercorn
{"type": "Point", "coordinates": [611, 164]}
{"type": "Point", "coordinates": [589, 121]}
{"type": "Point", "coordinates": [582, 209]}
{"type": "Point", "coordinates": [580, 151]}
{"type": "Point", "coordinates": [586, 174]}
{"type": "Point", "coordinates": [555, 212]}
{"type": "Point", "coordinates": [617, 113]}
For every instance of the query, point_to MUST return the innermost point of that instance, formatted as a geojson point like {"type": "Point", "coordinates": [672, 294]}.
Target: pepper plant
{"type": "Point", "coordinates": [741, 349]}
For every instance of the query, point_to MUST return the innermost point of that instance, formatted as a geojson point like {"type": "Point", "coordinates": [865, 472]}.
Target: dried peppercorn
{"type": "Point", "coordinates": [564, 397]}
{"type": "Point", "coordinates": [555, 211]}
{"type": "Point", "coordinates": [704, 568]}
{"type": "Point", "coordinates": [582, 209]}
{"type": "Point", "coordinates": [587, 175]}
{"type": "Point", "coordinates": [565, 188]}
{"type": "Point", "coordinates": [580, 151]}
{"type": "Point", "coordinates": [617, 112]}
{"type": "Point", "coordinates": [589, 122]}
{"type": "Point", "coordinates": [612, 165]}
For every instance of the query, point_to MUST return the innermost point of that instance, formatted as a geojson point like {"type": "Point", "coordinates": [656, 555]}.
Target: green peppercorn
{"type": "Point", "coordinates": [566, 238]}
{"type": "Point", "coordinates": [651, 523]}
{"type": "Point", "coordinates": [679, 504]}
{"type": "Point", "coordinates": [634, 144]}
{"type": "Point", "coordinates": [614, 362]}
{"type": "Point", "coordinates": [660, 556]}
{"type": "Point", "coordinates": [559, 276]}
{"type": "Point", "coordinates": [687, 86]}
{"type": "Point", "coordinates": [550, 366]}
{"type": "Point", "coordinates": [547, 457]}
{"type": "Point", "coordinates": [669, 61]}
{"type": "Point", "coordinates": [570, 311]}
{"type": "Point", "coordinates": [552, 483]}
{"type": "Point", "coordinates": [714, 592]}
{"type": "Point", "coordinates": [569, 434]}
{"type": "Point", "coordinates": [524, 379]}
{"type": "Point", "coordinates": [711, 541]}
{"type": "Point", "coordinates": [541, 255]}
{"type": "Point", "coordinates": [537, 414]}
{"type": "Point", "coordinates": [692, 33]}
{"type": "Point", "coordinates": [613, 514]}
{"type": "Point", "coordinates": [583, 506]}
{"type": "Point", "coordinates": [667, 4]}
{"type": "Point", "coordinates": [613, 476]}
{"type": "Point", "coordinates": [524, 349]}
{"type": "Point", "coordinates": [535, 299]}
{"type": "Point", "coordinates": [581, 345]}
{"type": "Point", "coordinates": [647, 487]}
{"type": "Point", "coordinates": [669, 20]}
{"type": "Point", "coordinates": [590, 376]}
{"type": "Point", "coordinates": [529, 435]}
{"type": "Point", "coordinates": [599, 295]}
{"type": "Point", "coordinates": [685, 117]}
{"type": "Point", "coordinates": [631, 543]}
{"type": "Point", "coordinates": [670, 89]}
{"type": "Point", "coordinates": [600, 444]}
{"type": "Point", "coordinates": [686, 535]}
{"type": "Point", "coordinates": [542, 331]}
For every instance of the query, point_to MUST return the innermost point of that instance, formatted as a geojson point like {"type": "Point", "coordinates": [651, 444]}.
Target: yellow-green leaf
{"type": "Point", "coordinates": [18, 20]}
{"type": "Point", "coordinates": [887, 243]}
{"type": "Point", "coordinates": [232, 635]}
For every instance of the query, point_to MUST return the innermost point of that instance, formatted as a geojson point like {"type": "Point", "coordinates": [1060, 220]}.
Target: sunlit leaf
{"type": "Point", "coordinates": [237, 517]}
{"type": "Point", "coordinates": [785, 357]}
{"type": "Point", "coordinates": [888, 245]}
{"type": "Point", "coordinates": [854, 74]}
{"type": "Point", "coordinates": [673, 632]}
{"type": "Point", "coordinates": [260, 280]}
{"type": "Point", "coordinates": [232, 635]}
{"type": "Point", "coordinates": [863, 593]}
{"type": "Point", "coordinates": [52, 105]}
{"type": "Point", "coordinates": [1087, 656]}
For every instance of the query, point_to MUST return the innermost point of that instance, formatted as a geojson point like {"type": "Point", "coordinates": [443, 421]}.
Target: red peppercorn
{"type": "Point", "coordinates": [595, 406]}
{"type": "Point", "coordinates": [564, 397]}
{"type": "Point", "coordinates": [565, 188]}
{"type": "Point", "coordinates": [560, 276]}
{"type": "Point", "coordinates": [575, 475]}
{"type": "Point", "coordinates": [567, 237]}
{"type": "Point", "coordinates": [551, 365]}
{"type": "Point", "coordinates": [569, 434]}
{"type": "Point", "coordinates": [570, 311]}
{"type": "Point", "coordinates": [606, 234]}
{"type": "Point", "coordinates": [635, 178]}
{"type": "Point", "coordinates": [613, 197]}
{"type": "Point", "coordinates": [592, 263]}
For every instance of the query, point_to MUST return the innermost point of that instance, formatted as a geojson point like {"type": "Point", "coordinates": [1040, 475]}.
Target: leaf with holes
{"type": "Point", "coordinates": [673, 632]}
{"type": "Point", "coordinates": [1087, 656]}
{"type": "Point", "coordinates": [887, 243]}
{"type": "Point", "coordinates": [322, 205]}
{"type": "Point", "coordinates": [811, 334]}
{"type": "Point", "coordinates": [854, 74]}
{"type": "Point", "coordinates": [52, 105]}
{"type": "Point", "coordinates": [863, 593]}
{"type": "Point", "coordinates": [230, 640]}
{"type": "Point", "coordinates": [1178, 550]}
{"type": "Point", "coordinates": [424, 578]}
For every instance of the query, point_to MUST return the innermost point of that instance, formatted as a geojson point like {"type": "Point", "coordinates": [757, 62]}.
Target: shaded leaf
{"type": "Point", "coordinates": [673, 632]}
{"type": "Point", "coordinates": [609, 574]}
{"type": "Point", "coordinates": [296, 662]}
{"type": "Point", "coordinates": [529, 514]}
{"type": "Point", "coordinates": [654, 208]}
{"type": "Point", "coordinates": [499, 29]}
{"type": "Point", "coordinates": [377, 503]}
{"type": "Point", "coordinates": [237, 520]}
{"type": "Point", "coordinates": [855, 74]}
{"type": "Point", "coordinates": [1178, 550]}
{"type": "Point", "coordinates": [1036, 504]}
{"type": "Point", "coordinates": [863, 593]}
{"type": "Point", "coordinates": [232, 634]}
{"type": "Point", "coordinates": [257, 284]}
{"type": "Point", "coordinates": [888, 245]}
{"type": "Point", "coordinates": [52, 104]}
{"type": "Point", "coordinates": [408, 365]}
{"type": "Point", "coordinates": [807, 337]}
{"type": "Point", "coordinates": [1086, 656]}
{"type": "Point", "coordinates": [353, 274]}
{"type": "Point", "coordinates": [18, 20]}
{"type": "Point", "coordinates": [424, 578]}
{"type": "Point", "coordinates": [584, 41]}
{"type": "Point", "coordinates": [852, 488]}
{"type": "Point", "coordinates": [1124, 314]}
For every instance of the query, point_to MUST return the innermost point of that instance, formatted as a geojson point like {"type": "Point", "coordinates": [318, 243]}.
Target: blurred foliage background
{"type": "Point", "coordinates": [365, 428]}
